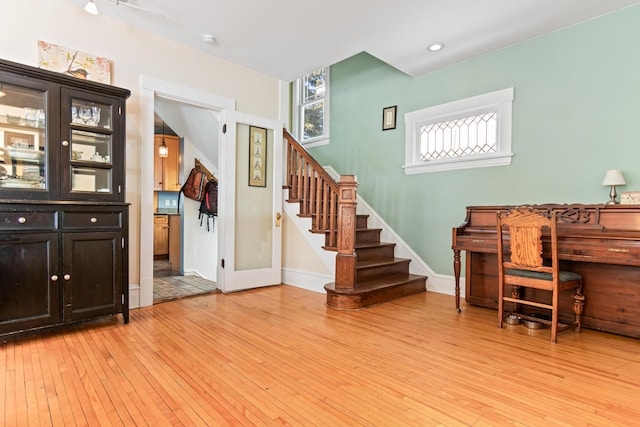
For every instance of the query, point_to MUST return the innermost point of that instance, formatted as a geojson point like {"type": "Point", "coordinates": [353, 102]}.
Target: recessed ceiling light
{"type": "Point", "coordinates": [436, 47]}
{"type": "Point", "coordinates": [208, 38]}
{"type": "Point", "coordinates": [91, 8]}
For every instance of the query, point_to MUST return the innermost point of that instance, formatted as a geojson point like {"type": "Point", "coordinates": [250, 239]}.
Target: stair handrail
{"type": "Point", "coordinates": [331, 204]}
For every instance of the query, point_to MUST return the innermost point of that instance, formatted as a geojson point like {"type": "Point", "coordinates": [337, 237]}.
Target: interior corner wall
{"type": "Point", "coordinates": [199, 243]}
{"type": "Point", "coordinates": [575, 115]}
{"type": "Point", "coordinates": [134, 53]}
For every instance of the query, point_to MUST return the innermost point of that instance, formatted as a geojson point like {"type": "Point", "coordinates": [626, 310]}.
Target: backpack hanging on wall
{"type": "Point", "coordinates": [209, 204]}
{"type": "Point", "coordinates": [194, 186]}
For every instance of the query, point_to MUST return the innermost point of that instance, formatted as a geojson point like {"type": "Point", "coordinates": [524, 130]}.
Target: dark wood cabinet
{"type": "Point", "coordinates": [29, 293]}
{"type": "Point", "coordinates": [63, 218]}
{"type": "Point", "coordinates": [160, 236]}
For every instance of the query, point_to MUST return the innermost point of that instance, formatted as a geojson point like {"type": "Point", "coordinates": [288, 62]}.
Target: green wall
{"type": "Point", "coordinates": [576, 114]}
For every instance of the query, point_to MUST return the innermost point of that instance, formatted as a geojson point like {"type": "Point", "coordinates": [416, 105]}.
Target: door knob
{"type": "Point", "coordinates": [278, 217]}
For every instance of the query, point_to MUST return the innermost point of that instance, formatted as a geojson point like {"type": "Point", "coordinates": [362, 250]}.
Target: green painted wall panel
{"type": "Point", "coordinates": [576, 114]}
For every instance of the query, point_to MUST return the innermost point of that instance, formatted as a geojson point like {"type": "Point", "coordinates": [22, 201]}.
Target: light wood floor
{"type": "Point", "coordinates": [277, 356]}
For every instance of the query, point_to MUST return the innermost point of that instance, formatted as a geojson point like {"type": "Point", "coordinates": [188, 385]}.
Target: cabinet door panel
{"type": "Point", "coordinates": [91, 154]}
{"type": "Point", "coordinates": [93, 263]}
{"type": "Point", "coordinates": [27, 122]}
{"type": "Point", "coordinates": [29, 297]}
{"type": "Point", "coordinates": [166, 169]}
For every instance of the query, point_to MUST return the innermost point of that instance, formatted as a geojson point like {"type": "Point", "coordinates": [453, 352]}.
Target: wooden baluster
{"type": "Point", "coordinates": [305, 188]}
{"type": "Point", "coordinates": [325, 207]}
{"type": "Point", "coordinates": [289, 167]}
{"type": "Point", "coordinates": [312, 191]}
{"type": "Point", "coordinates": [333, 216]}
{"type": "Point", "coordinates": [294, 176]}
{"type": "Point", "coordinates": [318, 213]}
{"type": "Point", "coordinates": [299, 177]}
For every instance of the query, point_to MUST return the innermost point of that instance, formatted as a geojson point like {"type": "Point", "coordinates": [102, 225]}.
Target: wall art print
{"type": "Point", "coordinates": [257, 157]}
{"type": "Point", "coordinates": [74, 63]}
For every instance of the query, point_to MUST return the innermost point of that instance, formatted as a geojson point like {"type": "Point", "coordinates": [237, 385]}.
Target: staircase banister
{"type": "Point", "coordinates": [310, 160]}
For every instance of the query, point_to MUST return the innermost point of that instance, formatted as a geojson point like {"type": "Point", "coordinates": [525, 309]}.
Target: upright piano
{"type": "Point", "coordinates": [600, 242]}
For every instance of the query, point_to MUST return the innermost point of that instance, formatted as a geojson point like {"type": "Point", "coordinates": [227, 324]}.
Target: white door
{"type": "Point", "coordinates": [250, 202]}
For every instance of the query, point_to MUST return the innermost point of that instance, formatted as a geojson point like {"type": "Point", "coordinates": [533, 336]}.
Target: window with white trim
{"type": "Point", "coordinates": [469, 133]}
{"type": "Point", "coordinates": [311, 115]}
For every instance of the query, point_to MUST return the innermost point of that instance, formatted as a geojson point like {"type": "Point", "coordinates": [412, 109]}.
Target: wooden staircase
{"type": "Point", "coordinates": [367, 271]}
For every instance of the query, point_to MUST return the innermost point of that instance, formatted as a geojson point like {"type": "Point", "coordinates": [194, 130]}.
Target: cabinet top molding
{"type": "Point", "coordinates": [63, 79]}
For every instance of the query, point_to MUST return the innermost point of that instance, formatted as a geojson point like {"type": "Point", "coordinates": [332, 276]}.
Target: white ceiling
{"type": "Point", "coordinates": [289, 38]}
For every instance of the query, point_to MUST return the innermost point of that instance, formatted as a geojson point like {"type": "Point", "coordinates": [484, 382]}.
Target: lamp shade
{"type": "Point", "coordinates": [613, 177]}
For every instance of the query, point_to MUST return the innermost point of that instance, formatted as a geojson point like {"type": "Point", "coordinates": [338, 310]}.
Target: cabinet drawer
{"type": "Point", "coordinates": [91, 220]}
{"type": "Point", "coordinates": [28, 220]}
{"type": "Point", "coordinates": [161, 219]}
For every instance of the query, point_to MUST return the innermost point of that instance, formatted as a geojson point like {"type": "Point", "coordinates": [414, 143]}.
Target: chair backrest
{"type": "Point", "coordinates": [525, 225]}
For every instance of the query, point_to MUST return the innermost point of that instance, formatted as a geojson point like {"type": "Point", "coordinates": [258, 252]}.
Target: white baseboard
{"type": "Point", "coordinates": [134, 296]}
{"type": "Point", "coordinates": [444, 284]}
{"type": "Point", "coordinates": [305, 280]}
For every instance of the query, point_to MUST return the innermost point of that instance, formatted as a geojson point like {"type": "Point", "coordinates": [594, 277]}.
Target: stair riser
{"type": "Point", "coordinates": [377, 252]}
{"type": "Point", "coordinates": [368, 235]}
{"type": "Point", "coordinates": [362, 221]}
{"type": "Point", "coordinates": [378, 271]}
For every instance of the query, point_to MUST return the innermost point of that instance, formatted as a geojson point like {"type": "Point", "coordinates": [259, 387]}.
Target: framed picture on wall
{"type": "Point", "coordinates": [389, 117]}
{"type": "Point", "coordinates": [257, 157]}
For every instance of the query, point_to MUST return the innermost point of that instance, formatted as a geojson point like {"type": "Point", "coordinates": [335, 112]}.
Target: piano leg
{"type": "Point", "coordinates": [456, 272]}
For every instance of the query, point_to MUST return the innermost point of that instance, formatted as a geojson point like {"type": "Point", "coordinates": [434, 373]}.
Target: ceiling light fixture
{"type": "Point", "coordinates": [436, 47]}
{"type": "Point", "coordinates": [91, 8]}
{"type": "Point", "coordinates": [208, 38]}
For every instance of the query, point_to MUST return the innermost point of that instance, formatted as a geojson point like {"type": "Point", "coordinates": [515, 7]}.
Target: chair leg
{"type": "Point", "coordinates": [578, 306]}
{"type": "Point", "coordinates": [500, 311]}
{"type": "Point", "coordinates": [554, 316]}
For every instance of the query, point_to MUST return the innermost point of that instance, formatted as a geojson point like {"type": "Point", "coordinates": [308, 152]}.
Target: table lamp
{"type": "Point", "coordinates": [613, 177]}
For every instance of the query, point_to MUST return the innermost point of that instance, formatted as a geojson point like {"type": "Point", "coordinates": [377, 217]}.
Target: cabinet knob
{"type": "Point", "coordinates": [54, 278]}
{"type": "Point", "coordinates": [67, 276]}
{"type": "Point", "coordinates": [93, 220]}
{"type": "Point", "coordinates": [22, 220]}
{"type": "Point", "coordinates": [65, 143]}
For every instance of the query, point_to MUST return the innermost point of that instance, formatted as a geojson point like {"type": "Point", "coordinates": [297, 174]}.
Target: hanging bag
{"type": "Point", "coordinates": [193, 188]}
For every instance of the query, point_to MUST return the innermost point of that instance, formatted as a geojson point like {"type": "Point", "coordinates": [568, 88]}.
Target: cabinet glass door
{"type": "Point", "coordinates": [89, 151]}
{"type": "Point", "coordinates": [22, 138]}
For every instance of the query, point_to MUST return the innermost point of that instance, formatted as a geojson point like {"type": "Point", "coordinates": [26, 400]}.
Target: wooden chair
{"type": "Point", "coordinates": [525, 268]}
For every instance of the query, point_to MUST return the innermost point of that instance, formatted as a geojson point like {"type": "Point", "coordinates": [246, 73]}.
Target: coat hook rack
{"type": "Point", "coordinates": [210, 176]}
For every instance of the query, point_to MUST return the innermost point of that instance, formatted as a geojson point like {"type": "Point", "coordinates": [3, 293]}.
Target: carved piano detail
{"type": "Point", "coordinates": [601, 242]}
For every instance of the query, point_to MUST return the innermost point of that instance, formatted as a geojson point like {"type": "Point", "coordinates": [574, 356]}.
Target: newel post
{"type": "Point", "coordinates": [346, 257]}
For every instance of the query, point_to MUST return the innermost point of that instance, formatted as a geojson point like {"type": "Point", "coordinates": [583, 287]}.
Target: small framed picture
{"type": "Point", "coordinates": [257, 157]}
{"type": "Point", "coordinates": [19, 140]}
{"type": "Point", "coordinates": [389, 117]}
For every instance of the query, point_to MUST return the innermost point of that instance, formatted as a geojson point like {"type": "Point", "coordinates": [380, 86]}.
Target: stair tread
{"type": "Point", "coordinates": [386, 281]}
{"type": "Point", "coordinates": [380, 262]}
{"type": "Point", "coordinates": [373, 245]}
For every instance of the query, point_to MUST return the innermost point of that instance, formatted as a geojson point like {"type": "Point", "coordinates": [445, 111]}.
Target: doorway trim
{"type": "Point", "coordinates": [150, 88]}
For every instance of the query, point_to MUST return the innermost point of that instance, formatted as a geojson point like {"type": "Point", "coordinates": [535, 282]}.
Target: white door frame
{"type": "Point", "coordinates": [150, 88]}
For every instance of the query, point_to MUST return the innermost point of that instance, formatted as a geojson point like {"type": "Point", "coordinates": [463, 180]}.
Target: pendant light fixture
{"type": "Point", "coordinates": [163, 150]}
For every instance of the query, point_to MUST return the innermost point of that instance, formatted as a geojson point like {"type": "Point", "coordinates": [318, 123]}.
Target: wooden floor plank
{"type": "Point", "coordinates": [278, 356]}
